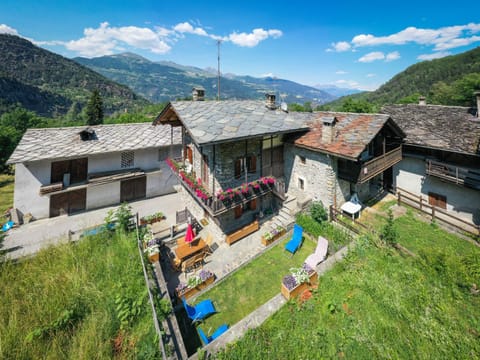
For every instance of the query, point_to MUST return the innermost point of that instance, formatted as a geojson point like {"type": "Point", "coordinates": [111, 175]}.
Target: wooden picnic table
{"type": "Point", "coordinates": [185, 251]}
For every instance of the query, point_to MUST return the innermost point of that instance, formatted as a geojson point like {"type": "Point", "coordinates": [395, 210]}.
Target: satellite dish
{"type": "Point", "coordinates": [284, 106]}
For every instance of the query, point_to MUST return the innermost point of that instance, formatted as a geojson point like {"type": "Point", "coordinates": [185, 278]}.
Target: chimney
{"type": "Point", "coordinates": [270, 101]}
{"type": "Point", "coordinates": [198, 93]}
{"type": "Point", "coordinates": [328, 129]}
{"type": "Point", "coordinates": [477, 95]}
{"type": "Point", "coordinates": [422, 100]}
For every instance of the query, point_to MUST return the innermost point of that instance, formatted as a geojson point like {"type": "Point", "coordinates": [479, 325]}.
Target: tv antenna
{"type": "Point", "coordinates": [219, 41]}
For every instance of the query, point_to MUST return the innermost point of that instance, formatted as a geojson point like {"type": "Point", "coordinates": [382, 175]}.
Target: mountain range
{"type": "Point", "coordinates": [164, 81]}
{"type": "Point", "coordinates": [49, 84]}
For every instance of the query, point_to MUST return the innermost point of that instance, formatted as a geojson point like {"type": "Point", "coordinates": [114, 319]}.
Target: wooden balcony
{"type": "Point", "coordinates": [379, 164]}
{"type": "Point", "coordinates": [454, 174]}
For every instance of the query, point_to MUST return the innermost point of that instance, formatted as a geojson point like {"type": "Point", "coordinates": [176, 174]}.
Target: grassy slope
{"type": "Point", "coordinates": [6, 192]}
{"type": "Point", "coordinates": [85, 278]}
{"type": "Point", "coordinates": [379, 304]}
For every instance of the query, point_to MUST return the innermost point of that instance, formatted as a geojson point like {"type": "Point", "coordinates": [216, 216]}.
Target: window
{"type": "Point", "coordinates": [301, 183]}
{"type": "Point", "coordinates": [248, 163]}
{"type": "Point", "coordinates": [303, 160]}
{"type": "Point", "coordinates": [240, 209]}
{"type": "Point", "coordinates": [437, 200]}
{"type": "Point", "coordinates": [127, 159]}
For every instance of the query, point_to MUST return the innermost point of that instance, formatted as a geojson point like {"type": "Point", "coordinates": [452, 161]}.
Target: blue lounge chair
{"type": "Point", "coordinates": [199, 311]}
{"type": "Point", "coordinates": [296, 240]}
{"type": "Point", "coordinates": [208, 339]}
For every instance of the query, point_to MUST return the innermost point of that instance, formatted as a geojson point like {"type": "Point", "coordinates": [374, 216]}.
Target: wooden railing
{"type": "Point", "coordinates": [420, 202]}
{"type": "Point", "coordinates": [350, 223]}
{"type": "Point", "coordinates": [379, 164]}
{"type": "Point", "coordinates": [455, 174]}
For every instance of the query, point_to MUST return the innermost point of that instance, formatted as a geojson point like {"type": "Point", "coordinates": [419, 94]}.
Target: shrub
{"type": "Point", "coordinates": [389, 233]}
{"type": "Point", "coordinates": [318, 212]}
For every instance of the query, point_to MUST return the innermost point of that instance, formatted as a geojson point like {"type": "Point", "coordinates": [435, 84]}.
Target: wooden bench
{"type": "Point", "coordinates": [240, 234]}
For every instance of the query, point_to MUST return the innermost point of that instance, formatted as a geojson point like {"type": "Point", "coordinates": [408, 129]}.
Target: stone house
{"type": "Point", "coordinates": [242, 159]}
{"type": "Point", "coordinates": [66, 170]}
{"type": "Point", "coordinates": [441, 155]}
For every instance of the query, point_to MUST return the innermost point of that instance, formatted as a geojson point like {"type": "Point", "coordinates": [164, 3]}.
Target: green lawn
{"type": "Point", "coordinates": [379, 303]}
{"type": "Point", "coordinates": [61, 304]}
{"type": "Point", "coordinates": [6, 192]}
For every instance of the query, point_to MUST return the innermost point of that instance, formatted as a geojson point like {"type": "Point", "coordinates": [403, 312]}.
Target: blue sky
{"type": "Point", "coordinates": [346, 43]}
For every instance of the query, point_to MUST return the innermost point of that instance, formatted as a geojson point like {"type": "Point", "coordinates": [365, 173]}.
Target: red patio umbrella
{"type": "Point", "coordinates": [190, 234]}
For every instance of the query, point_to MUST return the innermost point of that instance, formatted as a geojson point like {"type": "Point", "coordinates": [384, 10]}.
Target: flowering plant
{"type": "Point", "coordinates": [195, 280]}
{"type": "Point", "coordinates": [267, 180]}
{"type": "Point", "coordinates": [244, 188]}
{"type": "Point", "coordinates": [297, 276]}
{"type": "Point", "coordinates": [269, 235]}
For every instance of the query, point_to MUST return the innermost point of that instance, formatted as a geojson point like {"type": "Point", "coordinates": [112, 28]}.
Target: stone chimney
{"type": "Point", "coordinates": [422, 100]}
{"type": "Point", "coordinates": [477, 95]}
{"type": "Point", "coordinates": [270, 101]}
{"type": "Point", "coordinates": [328, 129]}
{"type": "Point", "coordinates": [198, 93]}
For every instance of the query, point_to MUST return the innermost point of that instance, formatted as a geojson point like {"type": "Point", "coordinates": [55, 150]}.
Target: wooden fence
{"type": "Point", "coordinates": [420, 202]}
{"type": "Point", "coordinates": [350, 223]}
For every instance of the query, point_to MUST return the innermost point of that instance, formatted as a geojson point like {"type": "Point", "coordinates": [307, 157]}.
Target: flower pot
{"type": "Point", "coordinates": [154, 257]}
{"type": "Point", "coordinates": [267, 242]}
{"type": "Point", "coordinates": [189, 292]}
{"type": "Point", "coordinates": [300, 288]}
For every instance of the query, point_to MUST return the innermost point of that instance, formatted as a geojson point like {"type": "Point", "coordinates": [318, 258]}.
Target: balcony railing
{"type": "Point", "coordinates": [223, 201]}
{"type": "Point", "coordinates": [379, 164]}
{"type": "Point", "coordinates": [454, 174]}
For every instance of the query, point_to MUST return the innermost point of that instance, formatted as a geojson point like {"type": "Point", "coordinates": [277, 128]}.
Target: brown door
{"type": "Point", "coordinates": [68, 202]}
{"type": "Point", "coordinates": [277, 161]}
{"type": "Point", "coordinates": [437, 200]}
{"type": "Point", "coordinates": [77, 169]}
{"type": "Point", "coordinates": [133, 189]}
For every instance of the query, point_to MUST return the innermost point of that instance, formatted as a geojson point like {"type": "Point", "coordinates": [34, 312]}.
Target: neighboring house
{"type": "Point", "coordinates": [441, 156]}
{"type": "Point", "coordinates": [243, 158]}
{"type": "Point", "coordinates": [66, 170]}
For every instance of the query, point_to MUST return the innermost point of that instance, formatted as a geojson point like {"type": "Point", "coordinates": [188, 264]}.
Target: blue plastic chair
{"type": "Point", "coordinates": [208, 339]}
{"type": "Point", "coordinates": [296, 240]}
{"type": "Point", "coordinates": [199, 311]}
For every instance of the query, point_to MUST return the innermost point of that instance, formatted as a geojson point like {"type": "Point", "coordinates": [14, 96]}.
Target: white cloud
{"type": "Point", "coordinates": [106, 39]}
{"type": "Point", "coordinates": [373, 56]}
{"type": "Point", "coordinates": [254, 38]}
{"type": "Point", "coordinates": [341, 46]}
{"type": "Point", "coordinates": [185, 27]}
{"type": "Point", "coordinates": [437, 55]}
{"type": "Point", "coordinates": [5, 29]}
{"type": "Point", "coordinates": [272, 75]}
{"type": "Point", "coordinates": [371, 75]}
{"type": "Point", "coordinates": [395, 55]}
{"type": "Point", "coordinates": [442, 38]}
{"type": "Point", "coordinates": [340, 72]}
{"type": "Point", "coordinates": [349, 83]}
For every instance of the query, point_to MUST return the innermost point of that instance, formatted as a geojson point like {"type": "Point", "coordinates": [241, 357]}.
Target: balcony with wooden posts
{"type": "Point", "coordinates": [225, 200]}
{"type": "Point", "coordinates": [453, 174]}
{"type": "Point", "coordinates": [360, 172]}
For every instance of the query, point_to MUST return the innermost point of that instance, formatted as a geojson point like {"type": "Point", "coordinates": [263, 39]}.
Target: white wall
{"type": "Point", "coordinates": [409, 174]}
{"type": "Point", "coordinates": [28, 179]}
{"type": "Point", "coordinates": [103, 195]}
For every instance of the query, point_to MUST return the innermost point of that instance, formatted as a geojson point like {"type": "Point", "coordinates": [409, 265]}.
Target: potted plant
{"type": "Point", "coordinates": [298, 281]}
{"type": "Point", "coordinates": [272, 235]}
{"type": "Point", "coordinates": [153, 252]}
{"type": "Point", "coordinates": [195, 284]}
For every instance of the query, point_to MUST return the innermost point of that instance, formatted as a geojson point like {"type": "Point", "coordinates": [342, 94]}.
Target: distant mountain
{"type": "Point", "coordinates": [49, 84]}
{"type": "Point", "coordinates": [427, 78]}
{"type": "Point", "coordinates": [164, 81]}
{"type": "Point", "coordinates": [337, 91]}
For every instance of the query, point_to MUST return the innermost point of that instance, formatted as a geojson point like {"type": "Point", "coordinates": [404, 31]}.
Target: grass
{"type": "Point", "coordinates": [379, 303]}
{"type": "Point", "coordinates": [248, 288]}
{"type": "Point", "coordinates": [6, 192]}
{"type": "Point", "coordinates": [64, 303]}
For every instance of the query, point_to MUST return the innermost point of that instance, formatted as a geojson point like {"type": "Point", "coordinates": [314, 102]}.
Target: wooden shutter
{"type": "Point", "coordinates": [252, 164]}
{"type": "Point", "coordinates": [190, 154]}
{"type": "Point", "coordinates": [437, 200]}
{"type": "Point", "coordinates": [253, 204]}
{"type": "Point", "coordinates": [78, 170]}
{"type": "Point", "coordinates": [58, 169]}
{"type": "Point", "coordinates": [77, 200]}
{"type": "Point", "coordinates": [238, 168]}
{"type": "Point", "coordinates": [238, 211]}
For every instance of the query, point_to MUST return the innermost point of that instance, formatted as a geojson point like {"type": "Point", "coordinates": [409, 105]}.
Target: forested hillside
{"type": "Point", "coordinates": [50, 84]}
{"type": "Point", "coordinates": [447, 81]}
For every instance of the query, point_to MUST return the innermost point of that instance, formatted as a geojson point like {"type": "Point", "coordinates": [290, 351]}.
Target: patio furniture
{"type": "Point", "coordinates": [320, 253]}
{"type": "Point", "coordinates": [208, 339]}
{"type": "Point", "coordinates": [352, 207]}
{"type": "Point", "coordinates": [193, 262]}
{"type": "Point", "coordinates": [185, 251]}
{"type": "Point", "coordinates": [174, 262]}
{"type": "Point", "coordinates": [200, 311]}
{"type": "Point", "coordinates": [296, 240]}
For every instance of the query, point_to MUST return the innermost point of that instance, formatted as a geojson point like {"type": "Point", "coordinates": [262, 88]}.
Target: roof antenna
{"type": "Point", "coordinates": [219, 41]}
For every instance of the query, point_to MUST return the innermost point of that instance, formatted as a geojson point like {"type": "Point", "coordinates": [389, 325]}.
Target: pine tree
{"type": "Point", "coordinates": [95, 109]}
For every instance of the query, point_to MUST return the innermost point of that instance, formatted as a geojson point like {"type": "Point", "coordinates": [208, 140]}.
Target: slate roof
{"type": "Point", "coordinates": [52, 143]}
{"type": "Point", "coordinates": [450, 128]}
{"type": "Point", "coordinates": [353, 132]}
{"type": "Point", "coordinates": [221, 121]}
